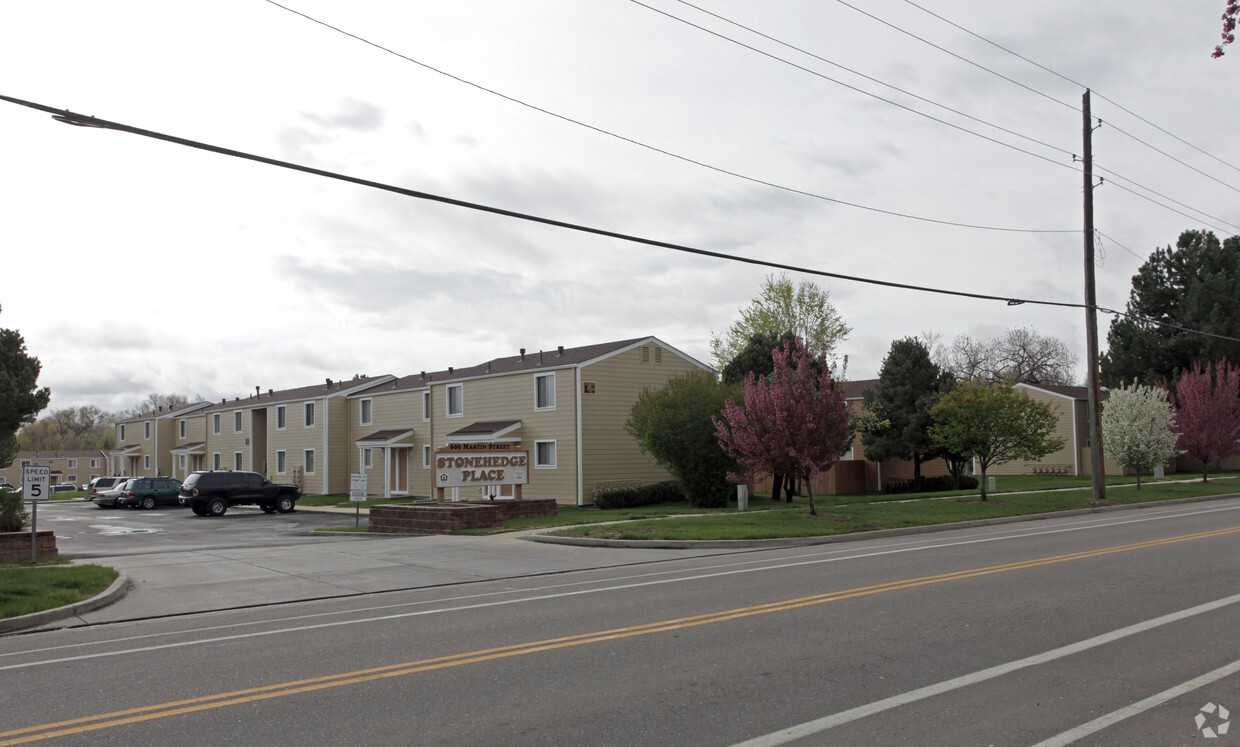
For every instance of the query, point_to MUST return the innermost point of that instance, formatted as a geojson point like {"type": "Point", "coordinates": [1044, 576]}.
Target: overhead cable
{"type": "Point", "coordinates": [81, 120]}
{"type": "Point", "coordinates": [662, 151]}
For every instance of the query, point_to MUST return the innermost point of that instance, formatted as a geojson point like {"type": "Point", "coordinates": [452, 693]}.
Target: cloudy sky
{"type": "Point", "coordinates": [135, 266]}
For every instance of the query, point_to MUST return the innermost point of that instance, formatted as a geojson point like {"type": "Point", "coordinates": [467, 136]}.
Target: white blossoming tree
{"type": "Point", "coordinates": [1137, 426]}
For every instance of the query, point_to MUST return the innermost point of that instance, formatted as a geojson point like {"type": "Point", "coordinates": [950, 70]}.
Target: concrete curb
{"type": "Point", "coordinates": [854, 536]}
{"type": "Point", "coordinates": [114, 592]}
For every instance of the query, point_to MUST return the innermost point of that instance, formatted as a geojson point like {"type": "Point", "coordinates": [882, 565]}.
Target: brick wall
{"type": "Point", "coordinates": [16, 545]}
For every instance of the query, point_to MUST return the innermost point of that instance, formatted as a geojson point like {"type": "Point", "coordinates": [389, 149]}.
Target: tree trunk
{"type": "Point", "coordinates": [809, 490]}
{"type": "Point", "coordinates": [777, 484]}
{"type": "Point", "coordinates": [982, 483]}
{"type": "Point", "coordinates": [1138, 479]}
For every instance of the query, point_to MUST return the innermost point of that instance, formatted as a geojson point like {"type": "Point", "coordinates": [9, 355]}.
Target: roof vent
{"type": "Point", "coordinates": [258, 391]}
{"type": "Point", "coordinates": [559, 350]}
{"type": "Point", "coordinates": [329, 383]}
{"type": "Point", "coordinates": [449, 370]}
{"type": "Point", "coordinates": [540, 357]}
{"type": "Point", "coordinates": [270, 392]}
{"type": "Point", "coordinates": [522, 353]}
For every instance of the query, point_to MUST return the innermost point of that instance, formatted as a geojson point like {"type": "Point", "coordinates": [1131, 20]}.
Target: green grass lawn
{"type": "Point", "coordinates": [857, 513]}
{"type": "Point", "coordinates": [26, 588]}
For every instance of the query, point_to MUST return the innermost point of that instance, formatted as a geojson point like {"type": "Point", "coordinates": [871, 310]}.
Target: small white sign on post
{"type": "Point", "coordinates": [36, 482]}
{"type": "Point", "coordinates": [357, 488]}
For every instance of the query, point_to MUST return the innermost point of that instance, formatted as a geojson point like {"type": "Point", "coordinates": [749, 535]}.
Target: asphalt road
{"type": "Point", "coordinates": [1107, 629]}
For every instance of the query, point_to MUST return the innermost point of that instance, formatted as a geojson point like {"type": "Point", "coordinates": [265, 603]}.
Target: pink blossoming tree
{"type": "Point", "coordinates": [1207, 412]}
{"type": "Point", "coordinates": [796, 421]}
{"type": "Point", "coordinates": [1230, 12]}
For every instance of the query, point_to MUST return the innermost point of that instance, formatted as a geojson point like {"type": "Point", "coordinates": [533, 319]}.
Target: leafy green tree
{"type": "Point", "coordinates": [1194, 286]}
{"type": "Point", "coordinates": [1137, 424]}
{"type": "Point", "coordinates": [73, 428]}
{"type": "Point", "coordinates": [20, 396]}
{"type": "Point", "coordinates": [673, 425]}
{"type": "Point", "coordinates": [803, 309]}
{"type": "Point", "coordinates": [909, 386]}
{"type": "Point", "coordinates": [994, 425]}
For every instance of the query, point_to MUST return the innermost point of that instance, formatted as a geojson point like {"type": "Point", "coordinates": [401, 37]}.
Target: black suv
{"type": "Point", "coordinates": [211, 493]}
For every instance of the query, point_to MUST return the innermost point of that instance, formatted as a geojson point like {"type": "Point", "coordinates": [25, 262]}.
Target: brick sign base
{"type": "Point", "coordinates": [445, 518]}
{"type": "Point", "coordinates": [16, 545]}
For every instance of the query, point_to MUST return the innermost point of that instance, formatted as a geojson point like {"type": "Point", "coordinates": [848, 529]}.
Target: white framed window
{"type": "Point", "coordinates": [72, 464]}
{"type": "Point", "coordinates": [426, 406]}
{"type": "Point", "coordinates": [456, 400]}
{"type": "Point", "coordinates": [368, 458]}
{"type": "Point", "coordinates": [366, 411]}
{"type": "Point", "coordinates": [94, 463]}
{"type": "Point", "coordinates": [215, 423]}
{"type": "Point", "coordinates": [146, 461]}
{"type": "Point", "coordinates": [281, 417]}
{"type": "Point", "coordinates": [71, 479]}
{"type": "Point", "coordinates": [426, 456]}
{"type": "Point", "coordinates": [308, 456]}
{"type": "Point", "coordinates": [181, 428]}
{"type": "Point", "coordinates": [181, 461]}
{"type": "Point", "coordinates": [309, 415]}
{"type": "Point", "coordinates": [544, 454]}
{"type": "Point", "coordinates": [237, 460]}
{"type": "Point", "coordinates": [146, 431]}
{"type": "Point", "coordinates": [121, 432]}
{"type": "Point", "coordinates": [237, 421]}
{"type": "Point", "coordinates": [281, 462]}
{"type": "Point", "coordinates": [215, 460]}
{"type": "Point", "coordinates": [544, 391]}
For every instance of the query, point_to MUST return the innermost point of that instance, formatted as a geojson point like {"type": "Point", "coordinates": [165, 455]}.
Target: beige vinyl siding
{"type": "Point", "coordinates": [609, 453]}
{"type": "Point", "coordinates": [511, 397]}
{"type": "Point", "coordinates": [295, 439]}
{"type": "Point", "coordinates": [339, 446]}
{"type": "Point", "coordinates": [1064, 459]}
{"type": "Point", "coordinates": [389, 411]}
{"type": "Point", "coordinates": [227, 442]}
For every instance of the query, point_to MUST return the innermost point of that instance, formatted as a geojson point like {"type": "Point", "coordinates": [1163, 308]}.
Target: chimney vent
{"type": "Point", "coordinates": [559, 350]}
{"type": "Point", "coordinates": [329, 383]}
{"type": "Point", "coordinates": [522, 353]}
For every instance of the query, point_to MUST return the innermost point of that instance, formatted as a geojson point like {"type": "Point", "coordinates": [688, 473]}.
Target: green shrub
{"type": "Point", "coordinates": [12, 512]}
{"type": "Point", "coordinates": [643, 495]}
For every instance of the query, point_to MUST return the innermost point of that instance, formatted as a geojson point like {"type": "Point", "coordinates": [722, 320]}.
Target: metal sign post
{"type": "Point", "coordinates": [36, 484]}
{"type": "Point", "coordinates": [357, 494]}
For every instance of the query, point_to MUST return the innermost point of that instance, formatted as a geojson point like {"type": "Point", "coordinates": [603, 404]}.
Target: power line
{"type": "Point", "coordinates": [780, 59]}
{"type": "Point", "coordinates": [863, 91]}
{"type": "Point", "coordinates": [82, 120]}
{"type": "Point", "coordinates": [662, 151]}
{"type": "Point", "coordinates": [1063, 77]}
{"type": "Point", "coordinates": [854, 72]}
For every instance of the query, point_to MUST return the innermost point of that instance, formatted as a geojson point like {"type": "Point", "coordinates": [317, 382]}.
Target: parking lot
{"type": "Point", "coordinates": [84, 530]}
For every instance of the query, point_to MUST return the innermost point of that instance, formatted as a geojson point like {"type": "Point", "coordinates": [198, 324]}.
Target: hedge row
{"type": "Point", "coordinates": [643, 495]}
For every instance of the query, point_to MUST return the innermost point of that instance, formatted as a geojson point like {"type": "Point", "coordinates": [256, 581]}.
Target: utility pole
{"type": "Point", "coordinates": [1091, 315]}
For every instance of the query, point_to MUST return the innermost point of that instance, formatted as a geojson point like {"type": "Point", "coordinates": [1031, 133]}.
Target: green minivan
{"type": "Point", "coordinates": [149, 492]}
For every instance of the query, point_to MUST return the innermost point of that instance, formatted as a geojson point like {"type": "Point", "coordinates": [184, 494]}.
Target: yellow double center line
{"type": "Point", "coordinates": [251, 695]}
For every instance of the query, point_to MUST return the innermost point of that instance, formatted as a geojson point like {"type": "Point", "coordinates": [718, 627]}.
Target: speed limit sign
{"type": "Point", "coordinates": [36, 482]}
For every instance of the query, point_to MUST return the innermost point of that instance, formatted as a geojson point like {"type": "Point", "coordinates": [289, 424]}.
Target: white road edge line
{"type": "Point", "coordinates": [810, 728]}
{"type": "Point", "coordinates": [1102, 722]}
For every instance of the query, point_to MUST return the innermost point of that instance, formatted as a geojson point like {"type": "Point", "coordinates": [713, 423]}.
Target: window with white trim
{"type": "Point", "coordinates": [281, 462]}
{"type": "Point", "coordinates": [181, 428]}
{"type": "Point", "coordinates": [309, 421]}
{"type": "Point", "coordinates": [181, 462]}
{"type": "Point", "coordinates": [71, 479]}
{"type": "Point", "coordinates": [426, 406]}
{"type": "Point", "coordinates": [72, 464]}
{"type": "Point", "coordinates": [237, 460]}
{"type": "Point", "coordinates": [215, 423]}
{"type": "Point", "coordinates": [215, 460]}
{"type": "Point", "coordinates": [308, 461]}
{"type": "Point", "coordinates": [456, 400]}
{"type": "Point", "coordinates": [237, 421]}
{"type": "Point", "coordinates": [146, 461]}
{"type": "Point", "coordinates": [368, 459]}
{"type": "Point", "coordinates": [544, 391]}
{"type": "Point", "coordinates": [121, 431]}
{"type": "Point", "coordinates": [146, 431]}
{"type": "Point", "coordinates": [544, 454]}
{"type": "Point", "coordinates": [281, 417]}
{"type": "Point", "coordinates": [94, 463]}
{"type": "Point", "coordinates": [426, 457]}
{"type": "Point", "coordinates": [366, 411]}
